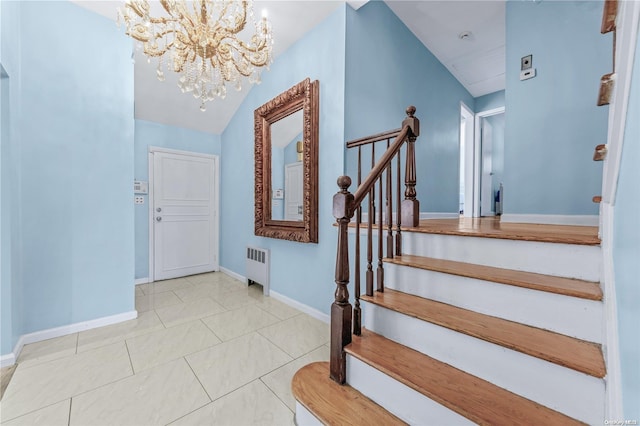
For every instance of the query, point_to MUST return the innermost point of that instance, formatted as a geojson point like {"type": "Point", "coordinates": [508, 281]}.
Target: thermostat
{"type": "Point", "coordinates": [140, 187]}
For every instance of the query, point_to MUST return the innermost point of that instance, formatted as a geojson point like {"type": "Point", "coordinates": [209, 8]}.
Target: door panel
{"type": "Point", "coordinates": [486, 179]}
{"type": "Point", "coordinates": [184, 213]}
{"type": "Point", "coordinates": [293, 192]}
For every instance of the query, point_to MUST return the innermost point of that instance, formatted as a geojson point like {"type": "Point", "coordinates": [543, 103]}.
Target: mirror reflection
{"type": "Point", "coordinates": [287, 168]}
{"type": "Point", "coordinates": [286, 164]}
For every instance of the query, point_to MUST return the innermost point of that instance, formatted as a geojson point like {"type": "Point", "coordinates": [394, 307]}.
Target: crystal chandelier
{"type": "Point", "coordinates": [199, 40]}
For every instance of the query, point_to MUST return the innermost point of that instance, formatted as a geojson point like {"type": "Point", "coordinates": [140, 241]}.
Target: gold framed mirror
{"type": "Point", "coordinates": [286, 165]}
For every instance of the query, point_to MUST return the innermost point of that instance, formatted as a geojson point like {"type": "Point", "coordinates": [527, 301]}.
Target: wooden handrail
{"type": "Point", "coordinates": [410, 128]}
{"type": "Point", "coordinates": [380, 167]}
{"type": "Point", "coordinates": [373, 138]}
{"type": "Point", "coordinates": [345, 205]}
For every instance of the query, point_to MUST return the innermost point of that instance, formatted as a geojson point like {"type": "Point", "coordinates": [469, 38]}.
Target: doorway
{"type": "Point", "coordinates": [183, 213]}
{"type": "Point", "coordinates": [465, 191]}
{"type": "Point", "coordinates": [488, 162]}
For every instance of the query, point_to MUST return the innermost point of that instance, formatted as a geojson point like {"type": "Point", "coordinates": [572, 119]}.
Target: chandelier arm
{"type": "Point", "coordinates": [205, 48]}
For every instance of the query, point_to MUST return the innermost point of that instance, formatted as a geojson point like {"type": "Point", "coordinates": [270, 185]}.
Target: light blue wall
{"type": "Point", "coordinates": [553, 123]}
{"type": "Point", "coordinates": [388, 69]}
{"type": "Point", "coordinates": [11, 296]}
{"type": "Point", "coordinates": [76, 165]}
{"type": "Point", "coordinates": [304, 272]}
{"type": "Point", "coordinates": [626, 251]}
{"type": "Point", "coordinates": [489, 101]}
{"type": "Point", "coordinates": [291, 151]}
{"type": "Point", "coordinates": [148, 134]}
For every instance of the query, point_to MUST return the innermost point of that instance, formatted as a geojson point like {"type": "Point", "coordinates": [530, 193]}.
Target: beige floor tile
{"type": "Point", "coordinates": [139, 291]}
{"type": "Point", "coordinates": [279, 381]}
{"type": "Point", "coordinates": [53, 415]}
{"type": "Point", "coordinates": [147, 322]}
{"type": "Point", "coordinates": [236, 284]}
{"type": "Point", "coordinates": [166, 285]}
{"type": "Point", "coordinates": [230, 365]}
{"type": "Point", "coordinates": [54, 381]}
{"type": "Point", "coordinates": [48, 350]}
{"type": "Point", "coordinates": [297, 335]}
{"type": "Point", "coordinates": [204, 290]}
{"type": "Point", "coordinates": [277, 308]}
{"type": "Point", "coordinates": [252, 404]}
{"type": "Point", "coordinates": [210, 277]}
{"type": "Point", "coordinates": [231, 324]}
{"type": "Point", "coordinates": [153, 397]}
{"type": "Point", "coordinates": [189, 311]}
{"type": "Point", "coordinates": [151, 301]}
{"type": "Point", "coordinates": [172, 343]}
{"type": "Point", "coordinates": [237, 299]}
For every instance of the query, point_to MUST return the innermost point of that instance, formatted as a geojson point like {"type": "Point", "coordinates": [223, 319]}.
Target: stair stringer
{"type": "Point", "coordinates": [573, 393]}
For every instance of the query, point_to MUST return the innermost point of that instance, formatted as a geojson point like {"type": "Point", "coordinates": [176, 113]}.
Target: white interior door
{"type": "Point", "coordinates": [486, 179]}
{"type": "Point", "coordinates": [184, 215]}
{"type": "Point", "coordinates": [293, 191]}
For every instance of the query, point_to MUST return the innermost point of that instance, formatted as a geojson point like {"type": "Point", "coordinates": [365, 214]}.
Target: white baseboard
{"type": "Point", "coordinates": [139, 281]}
{"type": "Point", "coordinates": [64, 330]}
{"type": "Point", "coordinates": [301, 307]}
{"type": "Point", "coordinates": [7, 360]}
{"type": "Point", "coordinates": [233, 274]}
{"type": "Point", "coordinates": [552, 219]}
{"type": "Point", "coordinates": [284, 299]}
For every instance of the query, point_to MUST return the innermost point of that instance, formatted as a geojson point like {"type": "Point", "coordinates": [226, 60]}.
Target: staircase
{"type": "Point", "coordinates": [497, 327]}
{"type": "Point", "coordinates": [473, 321]}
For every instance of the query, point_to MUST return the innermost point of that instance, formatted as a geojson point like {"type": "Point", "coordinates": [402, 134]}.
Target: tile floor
{"type": "Point", "coordinates": [204, 350]}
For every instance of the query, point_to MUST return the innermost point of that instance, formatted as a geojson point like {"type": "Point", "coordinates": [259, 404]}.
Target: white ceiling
{"type": "Point", "coordinates": [477, 62]}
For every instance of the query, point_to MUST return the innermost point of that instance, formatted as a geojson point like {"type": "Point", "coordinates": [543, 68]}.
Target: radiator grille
{"type": "Point", "coordinates": [258, 267]}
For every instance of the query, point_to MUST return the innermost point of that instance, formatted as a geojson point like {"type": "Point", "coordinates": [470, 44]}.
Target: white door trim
{"type": "Point", "coordinates": [477, 155]}
{"type": "Point", "coordinates": [216, 202]}
{"type": "Point", "coordinates": [468, 158]}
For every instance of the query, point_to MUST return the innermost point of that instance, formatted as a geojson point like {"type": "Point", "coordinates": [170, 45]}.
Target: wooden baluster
{"type": "Point", "coordinates": [372, 210]}
{"type": "Point", "coordinates": [341, 308]}
{"type": "Point", "coordinates": [357, 313]}
{"type": "Point", "coordinates": [380, 271]}
{"type": "Point", "coordinates": [399, 213]}
{"type": "Point", "coordinates": [369, 274]}
{"type": "Point", "coordinates": [410, 205]}
{"type": "Point", "coordinates": [389, 210]}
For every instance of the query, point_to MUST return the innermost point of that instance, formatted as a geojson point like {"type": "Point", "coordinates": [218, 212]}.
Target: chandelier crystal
{"type": "Point", "coordinates": [200, 40]}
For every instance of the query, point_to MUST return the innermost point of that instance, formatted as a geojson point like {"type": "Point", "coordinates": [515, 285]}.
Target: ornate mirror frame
{"type": "Point", "coordinates": [303, 96]}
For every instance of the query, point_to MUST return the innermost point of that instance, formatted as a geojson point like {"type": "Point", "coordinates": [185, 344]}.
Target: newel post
{"type": "Point", "coordinates": [410, 205]}
{"type": "Point", "coordinates": [341, 308]}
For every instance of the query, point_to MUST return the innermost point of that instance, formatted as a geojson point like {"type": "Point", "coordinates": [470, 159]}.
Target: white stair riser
{"type": "Point", "coordinates": [397, 398]}
{"type": "Point", "coordinates": [573, 393]}
{"type": "Point", "coordinates": [571, 316]}
{"type": "Point", "coordinates": [561, 260]}
{"type": "Point", "coordinates": [304, 416]}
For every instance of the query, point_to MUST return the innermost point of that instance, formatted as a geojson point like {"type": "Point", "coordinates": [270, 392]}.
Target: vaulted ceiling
{"type": "Point", "coordinates": [468, 37]}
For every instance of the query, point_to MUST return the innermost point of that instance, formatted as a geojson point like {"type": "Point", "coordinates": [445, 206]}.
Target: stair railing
{"type": "Point", "coordinates": [346, 204]}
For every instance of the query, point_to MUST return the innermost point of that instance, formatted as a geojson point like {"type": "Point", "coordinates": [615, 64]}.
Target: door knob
{"type": "Point", "coordinates": [158, 219]}
{"type": "Point", "coordinates": [159, 209]}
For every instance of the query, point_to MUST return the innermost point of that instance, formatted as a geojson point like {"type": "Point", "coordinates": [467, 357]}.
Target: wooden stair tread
{"type": "Point", "coordinates": [494, 228]}
{"type": "Point", "coordinates": [469, 396]}
{"type": "Point", "coordinates": [565, 286]}
{"type": "Point", "coordinates": [335, 404]}
{"type": "Point", "coordinates": [570, 352]}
